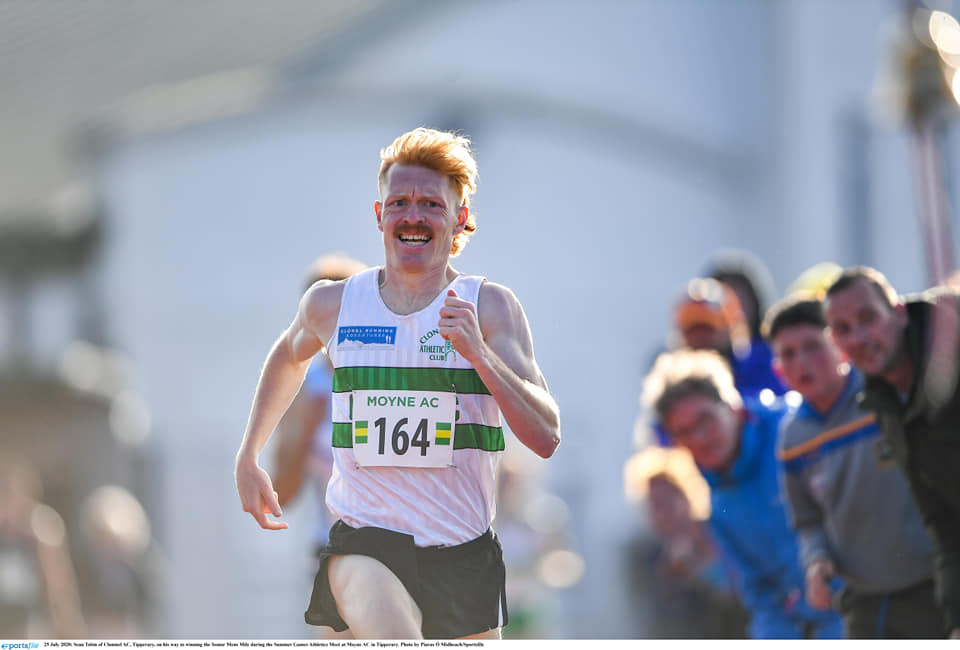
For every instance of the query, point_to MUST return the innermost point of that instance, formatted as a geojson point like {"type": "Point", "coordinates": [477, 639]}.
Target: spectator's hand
{"type": "Point", "coordinates": [257, 495]}
{"type": "Point", "coordinates": [682, 558]}
{"type": "Point", "coordinates": [955, 633]}
{"type": "Point", "coordinates": [819, 574]}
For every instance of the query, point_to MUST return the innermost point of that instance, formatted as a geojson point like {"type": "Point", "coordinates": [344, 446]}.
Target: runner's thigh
{"type": "Point", "coordinates": [371, 599]}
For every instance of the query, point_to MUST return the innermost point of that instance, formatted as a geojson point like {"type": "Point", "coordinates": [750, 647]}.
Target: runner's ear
{"type": "Point", "coordinates": [462, 215]}
{"type": "Point", "coordinates": [378, 209]}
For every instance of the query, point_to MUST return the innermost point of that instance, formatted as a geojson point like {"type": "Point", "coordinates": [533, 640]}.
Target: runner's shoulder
{"type": "Point", "coordinates": [321, 303]}
{"type": "Point", "coordinates": [497, 297]}
{"type": "Point", "coordinates": [499, 309]}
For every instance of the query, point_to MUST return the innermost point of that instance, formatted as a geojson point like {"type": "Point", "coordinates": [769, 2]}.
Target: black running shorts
{"type": "Point", "coordinates": [459, 589]}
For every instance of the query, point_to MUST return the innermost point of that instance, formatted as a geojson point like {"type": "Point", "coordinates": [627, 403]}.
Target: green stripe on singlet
{"type": "Point", "coordinates": [478, 436]}
{"type": "Point", "coordinates": [461, 380]}
{"type": "Point", "coordinates": [465, 436]}
{"type": "Point", "coordinates": [343, 434]}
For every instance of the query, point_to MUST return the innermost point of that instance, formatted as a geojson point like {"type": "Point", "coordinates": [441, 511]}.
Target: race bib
{"type": "Point", "coordinates": [403, 428]}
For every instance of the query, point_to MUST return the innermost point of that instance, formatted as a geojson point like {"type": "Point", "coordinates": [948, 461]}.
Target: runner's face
{"type": "Point", "coordinates": [865, 327]}
{"type": "Point", "coordinates": [419, 217]}
{"type": "Point", "coordinates": [709, 428]}
{"type": "Point", "coordinates": [809, 362]}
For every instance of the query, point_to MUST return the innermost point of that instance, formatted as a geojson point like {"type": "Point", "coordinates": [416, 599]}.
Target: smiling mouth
{"type": "Point", "coordinates": [415, 238]}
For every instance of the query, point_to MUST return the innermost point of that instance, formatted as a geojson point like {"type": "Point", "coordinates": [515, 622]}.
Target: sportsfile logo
{"type": "Point", "coordinates": [25, 644]}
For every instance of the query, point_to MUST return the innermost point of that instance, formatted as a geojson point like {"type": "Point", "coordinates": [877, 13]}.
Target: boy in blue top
{"type": "Point", "coordinates": [692, 394]}
{"type": "Point", "coordinates": [852, 511]}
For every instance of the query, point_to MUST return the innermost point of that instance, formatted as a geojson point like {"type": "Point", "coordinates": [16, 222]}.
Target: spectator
{"type": "Point", "coordinates": [688, 586]}
{"type": "Point", "coordinates": [815, 280]}
{"type": "Point", "coordinates": [708, 316]}
{"type": "Point", "coordinates": [678, 501]}
{"type": "Point", "coordinates": [908, 350]}
{"type": "Point", "coordinates": [692, 394]}
{"type": "Point", "coordinates": [750, 279]}
{"type": "Point", "coordinates": [853, 512]}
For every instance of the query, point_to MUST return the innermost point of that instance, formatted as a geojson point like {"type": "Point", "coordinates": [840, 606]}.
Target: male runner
{"type": "Point", "coordinates": [425, 359]}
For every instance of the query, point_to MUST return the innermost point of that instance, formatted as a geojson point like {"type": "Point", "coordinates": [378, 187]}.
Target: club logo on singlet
{"type": "Point", "coordinates": [436, 348]}
{"type": "Point", "coordinates": [366, 336]}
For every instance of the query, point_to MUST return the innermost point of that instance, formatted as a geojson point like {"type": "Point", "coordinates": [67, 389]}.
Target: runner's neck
{"type": "Point", "coordinates": [407, 293]}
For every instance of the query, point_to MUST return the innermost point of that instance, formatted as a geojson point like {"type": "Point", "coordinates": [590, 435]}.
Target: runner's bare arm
{"type": "Point", "coordinates": [281, 377]}
{"type": "Point", "coordinates": [495, 338]}
{"type": "Point", "coordinates": [293, 441]}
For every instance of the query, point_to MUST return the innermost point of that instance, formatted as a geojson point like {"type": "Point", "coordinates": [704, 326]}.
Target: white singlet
{"type": "Point", "coordinates": [382, 360]}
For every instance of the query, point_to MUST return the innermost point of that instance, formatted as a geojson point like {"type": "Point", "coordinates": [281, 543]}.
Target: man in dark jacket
{"type": "Point", "coordinates": [833, 481]}
{"type": "Point", "coordinates": [908, 349]}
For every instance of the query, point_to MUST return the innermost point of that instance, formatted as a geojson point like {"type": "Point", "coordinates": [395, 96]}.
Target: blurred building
{"type": "Point", "coordinates": [620, 145]}
{"type": "Point", "coordinates": [70, 422]}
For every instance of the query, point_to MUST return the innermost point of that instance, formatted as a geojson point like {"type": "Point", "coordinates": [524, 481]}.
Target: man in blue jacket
{"type": "Point", "coordinates": [692, 395]}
